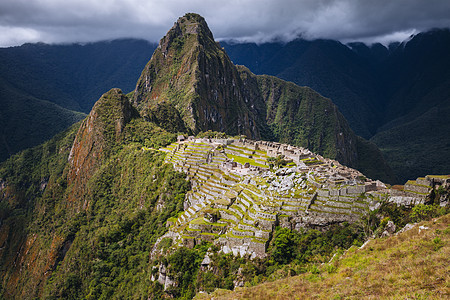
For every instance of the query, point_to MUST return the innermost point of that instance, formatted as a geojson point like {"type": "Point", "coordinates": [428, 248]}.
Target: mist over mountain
{"type": "Point", "coordinates": [191, 73]}
{"type": "Point", "coordinates": [381, 91]}
{"type": "Point", "coordinates": [199, 179]}
{"type": "Point", "coordinates": [397, 96]}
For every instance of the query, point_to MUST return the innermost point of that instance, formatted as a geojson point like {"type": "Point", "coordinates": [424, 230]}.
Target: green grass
{"type": "Point", "coordinates": [439, 176]}
{"type": "Point", "coordinates": [198, 221]}
{"type": "Point", "coordinates": [192, 229]}
{"type": "Point", "coordinates": [413, 182]}
{"type": "Point", "coordinates": [410, 265]}
{"type": "Point", "coordinates": [209, 234]}
{"type": "Point", "coordinates": [243, 160]}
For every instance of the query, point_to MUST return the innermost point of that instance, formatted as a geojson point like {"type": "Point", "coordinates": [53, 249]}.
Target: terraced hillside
{"type": "Point", "coordinates": [412, 264]}
{"type": "Point", "coordinates": [190, 85]}
{"type": "Point", "coordinates": [242, 189]}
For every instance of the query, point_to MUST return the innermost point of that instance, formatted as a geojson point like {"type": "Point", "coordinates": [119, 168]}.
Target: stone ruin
{"type": "Point", "coordinates": [236, 200]}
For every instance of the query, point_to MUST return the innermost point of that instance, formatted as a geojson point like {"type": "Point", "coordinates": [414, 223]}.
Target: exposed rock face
{"type": "Point", "coordinates": [6, 194]}
{"type": "Point", "coordinates": [236, 206]}
{"type": "Point", "coordinates": [236, 201]}
{"type": "Point", "coordinates": [29, 259]}
{"type": "Point", "coordinates": [95, 138]}
{"type": "Point", "coordinates": [192, 73]}
{"type": "Point", "coordinates": [164, 279]}
{"type": "Point", "coordinates": [389, 229]}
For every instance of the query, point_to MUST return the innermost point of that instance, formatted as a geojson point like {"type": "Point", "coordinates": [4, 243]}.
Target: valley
{"type": "Point", "coordinates": [375, 87]}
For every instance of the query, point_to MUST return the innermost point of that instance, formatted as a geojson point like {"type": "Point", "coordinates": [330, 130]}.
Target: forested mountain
{"type": "Point", "coordinates": [397, 96]}
{"type": "Point", "coordinates": [113, 207]}
{"type": "Point", "coordinates": [44, 87]}
{"type": "Point", "coordinates": [326, 66]}
{"type": "Point", "coordinates": [191, 79]}
{"type": "Point", "coordinates": [27, 121]}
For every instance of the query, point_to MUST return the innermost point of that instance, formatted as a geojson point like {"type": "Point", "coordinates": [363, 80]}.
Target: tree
{"type": "Point", "coordinates": [284, 246]}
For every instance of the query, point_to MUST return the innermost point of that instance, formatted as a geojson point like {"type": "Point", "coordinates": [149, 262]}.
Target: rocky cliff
{"type": "Point", "coordinates": [55, 190]}
{"type": "Point", "coordinates": [190, 72]}
{"type": "Point", "coordinates": [95, 141]}
{"type": "Point", "coordinates": [81, 213]}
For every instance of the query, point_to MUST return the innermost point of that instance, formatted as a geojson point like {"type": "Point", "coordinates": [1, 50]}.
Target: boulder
{"type": "Point", "coordinates": [390, 227]}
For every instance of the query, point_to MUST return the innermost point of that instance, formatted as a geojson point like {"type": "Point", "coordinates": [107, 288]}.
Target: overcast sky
{"type": "Point", "coordinates": [63, 21]}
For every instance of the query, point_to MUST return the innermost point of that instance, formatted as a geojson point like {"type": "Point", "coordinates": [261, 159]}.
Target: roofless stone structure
{"type": "Point", "coordinates": [237, 199]}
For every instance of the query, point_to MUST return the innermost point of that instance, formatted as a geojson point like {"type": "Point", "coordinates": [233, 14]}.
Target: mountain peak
{"type": "Point", "coordinates": [193, 23]}
{"type": "Point", "coordinates": [190, 82]}
{"type": "Point", "coordinates": [98, 133]}
{"type": "Point", "coordinates": [192, 73]}
{"type": "Point", "coordinates": [189, 24]}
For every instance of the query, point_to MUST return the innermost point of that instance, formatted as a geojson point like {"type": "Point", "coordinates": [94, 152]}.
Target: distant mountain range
{"type": "Point", "coordinates": [191, 85]}
{"type": "Point", "coordinates": [103, 211]}
{"type": "Point", "coordinates": [396, 96]}
{"type": "Point", "coordinates": [46, 88]}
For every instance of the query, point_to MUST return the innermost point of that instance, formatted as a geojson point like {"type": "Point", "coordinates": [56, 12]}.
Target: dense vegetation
{"type": "Point", "coordinates": [43, 88]}
{"type": "Point", "coordinates": [178, 91]}
{"type": "Point", "coordinates": [116, 234]}
{"type": "Point", "coordinates": [27, 121]}
{"type": "Point", "coordinates": [413, 264]}
{"type": "Point", "coordinates": [100, 251]}
{"type": "Point", "coordinates": [80, 219]}
{"type": "Point", "coordinates": [300, 116]}
{"type": "Point", "coordinates": [103, 251]}
{"type": "Point", "coordinates": [290, 253]}
{"type": "Point", "coordinates": [374, 87]}
{"type": "Point", "coordinates": [396, 95]}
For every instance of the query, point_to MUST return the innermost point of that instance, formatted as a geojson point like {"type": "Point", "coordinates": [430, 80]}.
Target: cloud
{"type": "Point", "coordinates": [17, 35]}
{"type": "Point", "coordinates": [63, 21]}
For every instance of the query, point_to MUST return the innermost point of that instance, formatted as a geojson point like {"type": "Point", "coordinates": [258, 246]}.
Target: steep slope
{"type": "Point", "coordinates": [95, 141]}
{"type": "Point", "coordinates": [49, 181]}
{"type": "Point", "coordinates": [81, 214]}
{"type": "Point", "coordinates": [59, 73]}
{"type": "Point", "coordinates": [191, 73]}
{"type": "Point", "coordinates": [300, 116]}
{"type": "Point", "coordinates": [55, 80]}
{"type": "Point", "coordinates": [74, 76]}
{"type": "Point", "coordinates": [32, 187]}
{"type": "Point", "coordinates": [376, 88]}
{"type": "Point", "coordinates": [326, 66]}
{"type": "Point", "coordinates": [389, 94]}
{"type": "Point", "coordinates": [420, 255]}
{"type": "Point", "coordinates": [415, 135]}
{"type": "Point", "coordinates": [26, 121]}
{"type": "Point", "coordinates": [63, 203]}
{"type": "Point", "coordinates": [417, 76]}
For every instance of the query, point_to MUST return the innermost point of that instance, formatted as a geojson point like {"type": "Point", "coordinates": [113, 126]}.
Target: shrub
{"type": "Point", "coordinates": [284, 246]}
{"type": "Point", "coordinates": [438, 243]}
{"type": "Point", "coordinates": [424, 212]}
